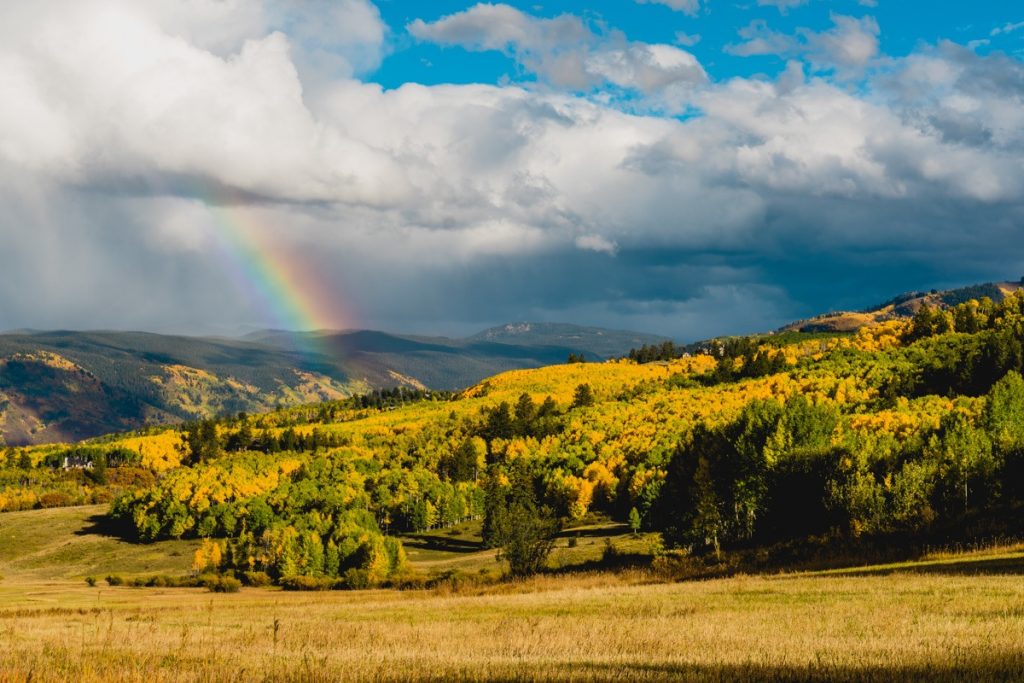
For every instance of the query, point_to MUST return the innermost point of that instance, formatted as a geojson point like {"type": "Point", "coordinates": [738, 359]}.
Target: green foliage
{"type": "Point", "coordinates": [909, 428]}
{"type": "Point", "coordinates": [523, 531]}
{"type": "Point", "coordinates": [202, 442]}
{"type": "Point", "coordinates": [1004, 412]}
{"type": "Point", "coordinates": [583, 397]}
{"type": "Point", "coordinates": [256, 579]}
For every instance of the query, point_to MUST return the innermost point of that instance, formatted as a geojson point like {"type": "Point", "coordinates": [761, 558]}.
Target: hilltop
{"type": "Point", "coordinates": [902, 307]}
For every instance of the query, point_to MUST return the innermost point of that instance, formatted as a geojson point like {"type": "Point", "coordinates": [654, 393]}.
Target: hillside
{"type": "Point", "coordinates": [772, 452]}
{"type": "Point", "coordinates": [66, 386]}
{"type": "Point", "coordinates": [902, 307]}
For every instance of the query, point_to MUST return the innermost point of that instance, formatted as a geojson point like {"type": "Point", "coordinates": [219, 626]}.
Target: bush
{"type": "Point", "coordinates": [222, 584]}
{"type": "Point", "coordinates": [356, 579]}
{"type": "Point", "coordinates": [55, 499]}
{"type": "Point", "coordinates": [91, 580]}
{"type": "Point", "coordinates": [308, 583]}
{"type": "Point", "coordinates": [155, 581]}
{"type": "Point", "coordinates": [409, 581]}
{"type": "Point", "coordinates": [257, 579]}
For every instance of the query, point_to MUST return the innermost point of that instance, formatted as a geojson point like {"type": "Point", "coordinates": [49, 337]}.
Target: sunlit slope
{"type": "Point", "coordinates": [904, 306]}
{"type": "Point", "coordinates": [71, 543]}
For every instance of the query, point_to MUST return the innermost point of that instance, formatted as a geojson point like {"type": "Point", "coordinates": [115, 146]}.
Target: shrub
{"type": "Point", "coordinates": [257, 579]}
{"type": "Point", "coordinates": [308, 583]}
{"type": "Point", "coordinates": [55, 499]}
{"type": "Point", "coordinates": [91, 580]}
{"type": "Point", "coordinates": [115, 580]}
{"type": "Point", "coordinates": [409, 581]}
{"type": "Point", "coordinates": [356, 579]}
{"type": "Point", "coordinates": [222, 584]}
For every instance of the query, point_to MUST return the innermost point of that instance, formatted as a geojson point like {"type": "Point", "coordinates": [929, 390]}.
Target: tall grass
{"type": "Point", "coordinates": [591, 627]}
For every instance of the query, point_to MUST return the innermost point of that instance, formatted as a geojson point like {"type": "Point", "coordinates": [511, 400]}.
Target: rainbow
{"type": "Point", "coordinates": [294, 295]}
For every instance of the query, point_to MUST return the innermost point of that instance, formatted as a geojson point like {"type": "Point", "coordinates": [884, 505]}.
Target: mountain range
{"type": "Point", "coordinates": [67, 386]}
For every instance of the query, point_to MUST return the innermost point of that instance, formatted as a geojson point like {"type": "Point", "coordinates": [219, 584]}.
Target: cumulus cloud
{"type": "Point", "coordinates": [848, 46]}
{"type": "Point", "coordinates": [851, 43]}
{"type": "Point", "coordinates": [563, 50]}
{"type": "Point", "coordinates": [759, 39]}
{"type": "Point", "coordinates": [129, 137]}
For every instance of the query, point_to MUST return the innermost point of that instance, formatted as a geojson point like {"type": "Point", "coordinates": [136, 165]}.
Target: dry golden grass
{"type": "Point", "coordinates": [585, 628]}
{"type": "Point", "coordinates": [950, 616]}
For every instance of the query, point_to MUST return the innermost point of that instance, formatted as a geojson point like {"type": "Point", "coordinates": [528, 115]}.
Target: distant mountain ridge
{"type": "Point", "coordinates": [66, 386]}
{"type": "Point", "coordinates": [596, 340]}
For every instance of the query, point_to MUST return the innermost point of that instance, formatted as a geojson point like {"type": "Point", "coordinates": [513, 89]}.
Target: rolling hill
{"type": "Point", "coordinates": [903, 306]}
{"type": "Point", "coordinates": [67, 386]}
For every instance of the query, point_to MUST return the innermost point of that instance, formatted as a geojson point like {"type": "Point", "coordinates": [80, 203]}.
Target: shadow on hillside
{"type": "Point", "coordinates": [442, 544]}
{"type": "Point", "coordinates": [993, 667]}
{"type": "Point", "coordinates": [105, 525]}
{"type": "Point", "coordinates": [995, 565]}
{"type": "Point", "coordinates": [609, 531]}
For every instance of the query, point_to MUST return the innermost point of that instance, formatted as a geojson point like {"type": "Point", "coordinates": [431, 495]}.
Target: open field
{"type": "Point", "coordinates": [585, 628]}
{"type": "Point", "coordinates": [947, 617]}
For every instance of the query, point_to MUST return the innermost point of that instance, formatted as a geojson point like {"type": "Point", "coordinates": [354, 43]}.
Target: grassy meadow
{"type": "Point", "coordinates": [945, 617]}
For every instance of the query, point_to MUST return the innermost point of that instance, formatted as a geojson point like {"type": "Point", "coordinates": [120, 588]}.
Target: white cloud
{"type": "Point", "coordinates": [761, 40]}
{"type": "Point", "coordinates": [687, 39]}
{"type": "Point", "coordinates": [1009, 27]}
{"type": "Point", "coordinates": [596, 243]}
{"type": "Point", "coordinates": [690, 7]}
{"type": "Point", "coordinates": [782, 5]}
{"type": "Point", "coordinates": [851, 43]}
{"type": "Point", "coordinates": [120, 125]}
{"type": "Point", "coordinates": [563, 50]}
{"type": "Point", "coordinates": [848, 46]}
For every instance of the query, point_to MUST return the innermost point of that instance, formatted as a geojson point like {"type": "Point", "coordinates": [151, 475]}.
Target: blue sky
{"type": "Point", "coordinates": [905, 26]}
{"type": "Point", "coordinates": [442, 167]}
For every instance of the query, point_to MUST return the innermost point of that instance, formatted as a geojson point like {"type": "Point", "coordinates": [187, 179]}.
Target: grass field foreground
{"type": "Point", "coordinates": [595, 627]}
{"type": "Point", "coordinates": [946, 617]}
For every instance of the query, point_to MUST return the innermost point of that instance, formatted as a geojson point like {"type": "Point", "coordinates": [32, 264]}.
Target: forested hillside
{"type": "Point", "coordinates": [906, 432]}
{"type": "Point", "coordinates": [67, 386]}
